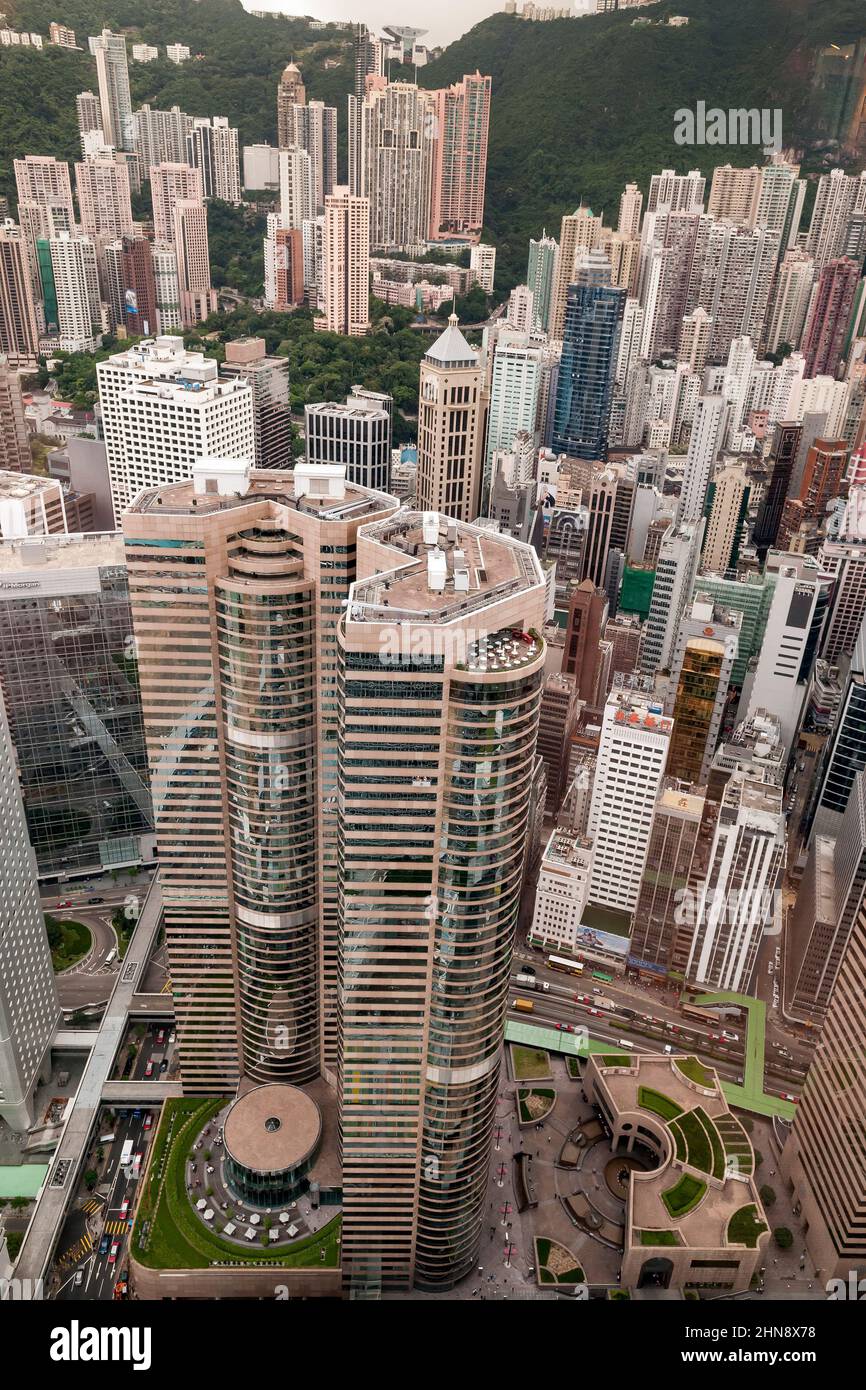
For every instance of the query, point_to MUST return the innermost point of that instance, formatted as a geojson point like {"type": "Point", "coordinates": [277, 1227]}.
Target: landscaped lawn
{"type": "Point", "coordinates": [684, 1196]}
{"type": "Point", "coordinates": [74, 942]}
{"type": "Point", "coordinates": [659, 1104]}
{"type": "Point", "coordinates": [529, 1063]}
{"type": "Point", "coordinates": [744, 1227]}
{"type": "Point", "coordinates": [694, 1070]}
{"type": "Point", "coordinates": [556, 1264]}
{"type": "Point", "coordinates": [698, 1145]}
{"type": "Point", "coordinates": [176, 1238]}
{"type": "Point", "coordinates": [534, 1104]}
{"type": "Point", "coordinates": [612, 1059]}
{"type": "Point", "coordinates": [659, 1238]}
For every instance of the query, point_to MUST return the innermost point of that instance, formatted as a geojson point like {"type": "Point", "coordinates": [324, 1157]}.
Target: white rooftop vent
{"type": "Point", "coordinates": [224, 477]}
{"type": "Point", "coordinates": [437, 570]}
{"type": "Point", "coordinates": [430, 528]}
{"type": "Point", "coordinates": [320, 480]}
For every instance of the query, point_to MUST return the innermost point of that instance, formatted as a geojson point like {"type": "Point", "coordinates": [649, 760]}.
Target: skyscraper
{"type": "Point", "coordinates": [426, 939]}
{"type": "Point", "coordinates": [252, 944]}
{"type": "Point", "coordinates": [19, 331]}
{"type": "Point", "coordinates": [369, 57]}
{"type": "Point", "coordinates": [162, 409]}
{"type": "Point", "coordinates": [656, 947]}
{"type": "Point", "coordinates": [297, 188]}
{"type": "Point", "coordinates": [344, 292]}
{"type": "Point", "coordinates": [580, 232]}
{"type": "Point", "coordinates": [514, 387]}
{"type": "Point", "coordinates": [269, 379]}
{"type": "Point", "coordinates": [704, 653]}
{"type": "Point", "coordinates": [197, 296]}
{"type": "Point", "coordinates": [830, 316]}
{"type": "Point", "coordinates": [14, 439]}
{"type": "Point", "coordinates": [679, 556]}
{"type": "Point", "coordinates": [783, 453]}
{"type": "Point", "coordinates": [727, 508]}
{"type": "Point", "coordinates": [160, 136]}
{"type": "Point", "coordinates": [789, 301]}
{"type": "Point", "coordinates": [290, 92]}
{"type": "Point", "coordinates": [391, 145]}
{"type": "Point", "coordinates": [539, 276]}
{"type": "Point", "coordinates": [838, 196]}
{"type": "Point", "coordinates": [212, 147]}
{"type": "Point", "coordinates": [115, 102]}
{"type": "Point", "coordinates": [89, 116]}
{"type": "Point", "coordinates": [76, 285]}
{"type": "Point", "coordinates": [587, 615]}
{"type": "Point", "coordinates": [705, 441]}
{"type": "Point", "coordinates": [131, 285]}
{"type": "Point", "coordinates": [462, 113]}
{"type": "Point", "coordinates": [29, 1012]}
{"type": "Point", "coordinates": [590, 340]}
{"type": "Point", "coordinates": [451, 409]}
{"type": "Point", "coordinates": [357, 436]}
{"type": "Point", "coordinates": [104, 200]}
{"type": "Point", "coordinates": [313, 128]}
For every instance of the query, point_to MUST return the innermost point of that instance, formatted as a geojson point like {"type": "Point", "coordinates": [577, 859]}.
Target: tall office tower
{"type": "Point", "coordinates": [727, 514]}
{"type": "Point", "coordinates": [104, 200]}
{"type": "Point", "coordinates": [732, 275]}
{"type": "Point", "coordinates": [269, 378]}
{"type": "Point", "coordinates": [783, 452]}
{"type": "Point", "coordinates": [369, 57]}
{"type": "Point", "coordinates": [462, 113]}
{"type": "Point", "coordinates": [423, 1003]}
{"type": "Point", "coordinates": [451, 411]}
{"type": "Point", "coordinates": [284, 266]}
{"type": "Point", "coordinates": [838, 196]}
{"type": "Point", "coordinates": [656, 945]}
{"type": "Point", "coordinates": [734, 194]}
{"type": "Point", "coordinates": [290, 92]}
{"type": "Point", "coordinates": [19, 330]}
{"type": "Point", "coordinates": [162, 409]}
{"type": "Point", "coordinates": [131, 284]}
{"type": "Point", "coordinates": [14, 439]}
{"type": "Point", "coordinates": [115, 102]}
{"type": "Point", "coordinates": [789, 301]}
{"type": "Point", "coordinates": [622, 633]}
{"type": "Point", "coordinates": [675, 570]}
{"type": "Point", "coordinates": [166, 285]}
{"type": "Point", "coordinates": [29, 1011]}
{"type": "Point", "coordinates": [580, 232]}
{"type": "Point", "coordinates": [780, 679]}
{"type": "Point", "coordinates": [708, 431]}
{"type": "Point", "coordinates": [212, 148]}
{"type": "Point", "coordinates": [313, 128]}
{"type": "Point", "coordinates": [844, 755]}
{"type": "Point", "coordinates": [297, 188]}
{"type": "Point", "coordinates": [198, 298]}
{"type": "Point", "coordinates": [356, 435]}
{"type": "Point", "coordinates": [829, 899]}
{"type": "Point", "coordinates": [556, 723]}
{"type": "Point", "coordinates": [539, 276]}
{"type": "Point", "coordinates": [244, 553]}
{"type": "Point", "coordinates": [694, 341]}
{"type": "Point", "coordinates": [590, 342]}
{"type": "Point", "coordinates": [391, 146]}
{"type": "Point", "coordinates": [609, 499]}
{"type": "Point", "coordinates": [76, 285]}
{"type": "Point", "coordinates": [822, 480]}
{"type": "Point", "coordinates": [587, 615]}
{"type": "Point", "coordinates": [705, 650]}
{"type": "Point", "coordinates": [823, 1160]}
{"type": "Point", "coordinates": [845, 559]}
{"type": "Point", "coordinates": [630, 207]}
{"type": "Point", "coordinates": [514, 387]}
{"type": "Point", "coordinates": [88, 115]}
{"type": "Point", "coordinates": [32, 506]}
{"type": "Point", "coordinates": [344, 289]}
{"type": "Point", "coordinates": [171, 184]}
{"type": "Point", "coordinates": [160, 137]}
{"type": "Point", "coordinates": [672, 192]}
{"type": "Point", "coordinates": [739, 901]}
{"type": "Point", "coordinates": [829, 317]}
{"type": "Point", "coordinates": [632, 755]}
{"type": "Point", "coordinates": [65, 628]}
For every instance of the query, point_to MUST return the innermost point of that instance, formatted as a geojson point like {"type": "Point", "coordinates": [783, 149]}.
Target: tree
{"type": "Point", "coordinates": [759, 1158]}
{"type": "Point", "coordinates": [54, 932]}
{"type": "Point", "coordinates": [90, 1178]}
{"type": "Point", "coordinates": [783, 1237]}
{"type": "Point", "coordinates": [768, 1195]}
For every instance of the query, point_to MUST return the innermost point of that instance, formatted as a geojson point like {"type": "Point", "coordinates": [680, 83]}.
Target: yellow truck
{"type": "Point", "coordinates": [524, 1006]}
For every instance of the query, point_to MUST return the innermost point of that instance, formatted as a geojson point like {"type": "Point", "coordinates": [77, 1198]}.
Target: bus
{"type": "Point", "coordinates": [572, 967]}
{"type": "Point", "coordinates": [126, 1154]}
{"type": "Point", "coordinates": [600, 975]}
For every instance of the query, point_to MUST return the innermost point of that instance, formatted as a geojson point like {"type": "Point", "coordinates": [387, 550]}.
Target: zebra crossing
{"type": "Point", "coordinates": [114, 1228]}
{"type": "Point", "coordinates": [92, 1207]}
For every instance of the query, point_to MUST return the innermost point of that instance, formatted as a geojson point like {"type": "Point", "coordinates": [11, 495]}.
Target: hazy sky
{"type": "Point", "coordinates": [444, 20]}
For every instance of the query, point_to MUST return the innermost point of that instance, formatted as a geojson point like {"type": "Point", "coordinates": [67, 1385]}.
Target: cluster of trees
{"type": "Point", "coordinates": [235, 247]}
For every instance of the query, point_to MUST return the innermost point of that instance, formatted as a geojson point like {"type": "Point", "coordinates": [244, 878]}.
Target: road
{"type": "Point", "coordinates": [92, 980]}
{"type": "Point", "coordinates": [99, 1272]}
{"type": "Point", "coordinates": [657, 1021]}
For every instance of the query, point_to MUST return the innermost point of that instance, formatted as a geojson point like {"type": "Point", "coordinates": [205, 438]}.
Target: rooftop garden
{"type": "Point", "coordinates": [698, 1143]}
{"type": "Point", "coordinates": [530, 1063]}
{"type": "Point", "coordinates": [613, 1059]}
{"type": "Point", "coordinates": [556, 1264]}
{"type": "Point", "coordinates": [659, 1237]}
{"type": "Point", "coordinates": [168, 1234]}
{"type": "Point", "coordinates": [684, 1196]}
{"type": "Point", "coordinates": [658, 1103]}
{"type": "Point", "coordinates": [533, 1105]}
{"type": "Point", "coordinates": [744, 1228]}
{"type": "Point", "coordinates": [695, 1071]}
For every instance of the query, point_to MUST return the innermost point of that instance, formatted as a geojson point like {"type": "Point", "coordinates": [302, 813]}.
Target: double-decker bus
{"type": "Point", "coordinates": [571, 967]}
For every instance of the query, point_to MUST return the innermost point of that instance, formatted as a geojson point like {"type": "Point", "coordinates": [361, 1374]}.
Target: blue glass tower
{"type": "Point", "coordinates": [593, 316]}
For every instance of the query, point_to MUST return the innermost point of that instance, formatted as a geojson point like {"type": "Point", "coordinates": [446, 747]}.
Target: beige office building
{"type": "Point", "coordinates": [237, 579]}
{"type": "Point", "coordinates": [346, 266]}
{"type": "Point", "coordinates": [451, 412]}
{"type": "Point", "coordinates": [440, 685]}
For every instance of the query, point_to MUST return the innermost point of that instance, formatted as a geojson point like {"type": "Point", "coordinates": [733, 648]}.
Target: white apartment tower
{"type": "Point", "coordinates": [29, 1011]}
{"type": "Point", "coordinates": [344, 290]}
{"type": "Point", "coordinates": [708, 430]}
{"type": "Point", "coordinates": [390, 162]}
{"type": "Point", "coordinates": [76, 283]}
{"type": "Point", "coordinates": [212, 147]}
{"type": "Point", "coordinates": [297, 188]}
{"type": "Point", "coordinates": [115, 101]}
{"type": "Point", "coordinates": [676, 567]}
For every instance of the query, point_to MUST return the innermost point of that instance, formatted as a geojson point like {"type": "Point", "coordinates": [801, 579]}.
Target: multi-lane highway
{"type": "Point", "coordinates": [93, 903]}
